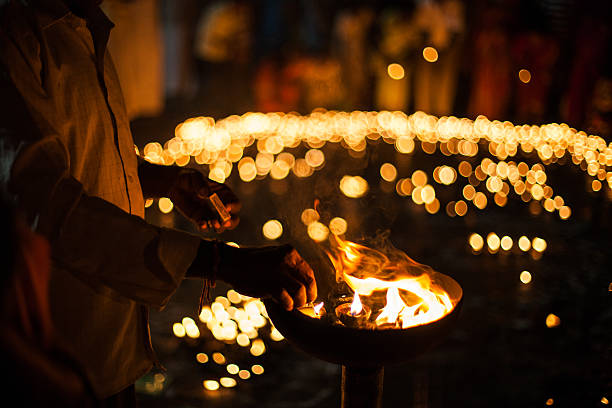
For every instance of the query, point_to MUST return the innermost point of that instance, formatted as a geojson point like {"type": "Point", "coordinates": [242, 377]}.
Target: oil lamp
{"type": "Point", "coordinates": [353, 314]}
{"type": "Point", "coordinates": [313, 310]}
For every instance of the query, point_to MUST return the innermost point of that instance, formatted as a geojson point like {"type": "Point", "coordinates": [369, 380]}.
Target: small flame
{"type": "Point", "coordinates": [317, 308]}
{"type": "Point", "coordinates": [356, 306]}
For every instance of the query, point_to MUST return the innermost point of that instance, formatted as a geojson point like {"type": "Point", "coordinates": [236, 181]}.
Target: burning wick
{"type": "Point", "coordinates": [356, 306]}
{"type": "Point", "coordinates": [315, 311]}
{"type": "Point", "coordinates": [354, 314]}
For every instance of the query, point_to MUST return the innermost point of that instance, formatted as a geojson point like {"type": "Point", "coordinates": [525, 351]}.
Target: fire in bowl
{"type": "Point", "coordinates": [355, 346]}
{"type": "Point", "coordinates": [398, 309]}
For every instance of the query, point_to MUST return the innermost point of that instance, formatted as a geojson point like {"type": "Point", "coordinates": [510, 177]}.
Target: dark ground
{"type": "Point", "coordinates": [500, 354]}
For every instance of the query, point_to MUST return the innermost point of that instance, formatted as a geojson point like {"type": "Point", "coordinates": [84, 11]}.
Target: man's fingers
{"type": "Point", "coordinates": [285, 300]}
{"type": "Point", "coordinates": [294, 288]}
{"type": "Point", "coordinates": [232, 223]}
{"type": "Point", "coordinates": [301, 270]}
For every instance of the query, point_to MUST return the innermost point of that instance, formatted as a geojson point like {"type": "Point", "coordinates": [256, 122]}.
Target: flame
{"type": "Point", "coordinates": [412, 298]}
{"type": "Point", "coordinates": [356, 306]}
{"type": "Point", "coordinates": [317, 308]}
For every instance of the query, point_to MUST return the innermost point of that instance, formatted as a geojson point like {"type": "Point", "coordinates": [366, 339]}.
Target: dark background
{"type": "Point", "coordinates": [501, 353]}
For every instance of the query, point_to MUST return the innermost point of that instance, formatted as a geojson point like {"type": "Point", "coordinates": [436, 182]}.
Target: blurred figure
{"type": "Point", "coordinates": [491, 72]}
{"type": "Point", "coordinates": [352, 32]}
{"type": "Point", "coordinates": [322, 83]}
{"type": "Point", "coordinates": [41, 373]}
{"type": "Point", "coordinates": [440, 25]}
{"type": "Point", "coordinates": [589, 63]}
{"type": "Point", "coordinates": [277, 84]}
{"type": "Point", "coordinates": [397, 44]}
{"type": "Point", "coordinates": [179, 22]}
{"type": "Point", "coordinates": [535, 53]}
{"type": "Point", "coordinates": [137, 47]}
{"type": "Point", "coordinates": [222, 50]}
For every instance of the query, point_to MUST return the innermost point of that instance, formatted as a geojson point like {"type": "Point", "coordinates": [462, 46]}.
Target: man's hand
{"type": "Point", "coordinates": [274, 271]}
{"type": "Point", "coordinates": [190, 192]}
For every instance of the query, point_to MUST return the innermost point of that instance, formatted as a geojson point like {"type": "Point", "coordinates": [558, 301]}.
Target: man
{"type": "Point", "coordinates": [69, 160]}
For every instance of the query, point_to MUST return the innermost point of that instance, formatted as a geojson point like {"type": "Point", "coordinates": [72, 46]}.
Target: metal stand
{"type": "Point", "coordinates": [362, 387]}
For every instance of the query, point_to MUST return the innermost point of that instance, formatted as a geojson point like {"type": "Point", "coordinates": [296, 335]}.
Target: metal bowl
{"type": "Point", "coordinates": [365, 347]}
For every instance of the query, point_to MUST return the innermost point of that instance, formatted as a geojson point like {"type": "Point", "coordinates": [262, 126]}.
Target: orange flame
{"type": "Point", "coordinates": [412, 298]}
{"type": "Point", "coordinates": [317, 308]}
{"type": "Point", "coordinates": [356, 306]}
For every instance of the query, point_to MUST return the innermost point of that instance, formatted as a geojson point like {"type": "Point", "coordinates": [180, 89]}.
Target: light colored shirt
{"type": "Point", "coordinates": [73, 169]}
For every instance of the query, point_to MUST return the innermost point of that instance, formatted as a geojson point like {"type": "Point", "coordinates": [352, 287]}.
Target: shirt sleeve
{"type": "Point", "coordinates": [99, 243]}
{"type": "Point", "coordinates": [92, 238]}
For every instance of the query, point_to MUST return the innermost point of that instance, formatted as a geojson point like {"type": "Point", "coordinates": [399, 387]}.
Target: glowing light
{"type": "Point", "coordinates": [596, 185]}
{"type": "Point", "coordinates": [524, 243]}
{"type": "Point", "coordinates": [353, 186]}
{"type": "Point", "coordinates": [525, 277]}
{"type": "Point", "coordinates": [243, 340]}
{"type": "Point", "coordinates": [550, 401]}
{"type": "Point", "coordinates": [524, 75]}
{"type": "Point", "coordinates": [539, 244]}
{"type": "Point", "coordinates": [258, 347]}
{"type": "Point", "coordinates": [395, 71]}
{"type": "Point", "coordinates": [404, 187]}
{"type": "Point", "coordinates": [469, 192]}
{"type": "Point", "coordinates": [465, 169]}
{"type": "Point", "coordinates": [604, 401]}
{"type": "Point", "coordinates": [191, 328]}
{"type": "Point", "coordinates": [275, 335]}
{"type": "Point", "coordinates": [218, 358]}
{"type": "Point", "coordinates": [178, 330]}
{"type": "Point", "coordinates": [433, 207]}
{"type": "Point", "coordinates": [227, 382]}
{"type": "Point", "coordinates": [165, 205]}
{"type": "Point", "coordinates": [461, 208]}
{"type": "Point", "coordinates": [493, 241]}
{"type": "Point", "coordinates": [309, 216]}
{"type": "Point", "coordinates": [419, 178]}
{"type": "Point", "coordinates": [338, 226]}
{"type": "Point", "coordinates": [148, 202]}
{"type": "Point", "coordinates": [480, 200]}
{"type": "Point", "coordinates": [506, 243]}
{"type": "Point", "coordinates": [314, 158]}
{"type": "Point", "coordinates": [202, 358]}
{"type": "Point", "coordinates": [447, 175]}
{"type": "Point", "coordinates": [272, 229]}
{"type": "Point", "coordinates": [476, 242]}
{"type": "Point", "coordinates": [552, 321]}
{"type": "Point", "coordinates": [388, 172]}
{"type": "Point", "coordinates": [247, 169]}
{"type": "Point", "coordinates": [211, 385]}
{"type": "Point", "coordinates": [317, 231]}
{"type": "Point", "coordinates": [430, 54]}
{"type": "Point", "coordinates": [257, 369]}
{"type": "Point", "coordinates": [565, 212]}
{"type": "Point", "coordinates": [233, 296]}
{"type": "Point", "coordinates": [244, 374]}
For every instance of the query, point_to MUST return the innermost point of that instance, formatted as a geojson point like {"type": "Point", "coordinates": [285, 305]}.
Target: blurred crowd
{"type": "Point", "coordinates": [529, 61]}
